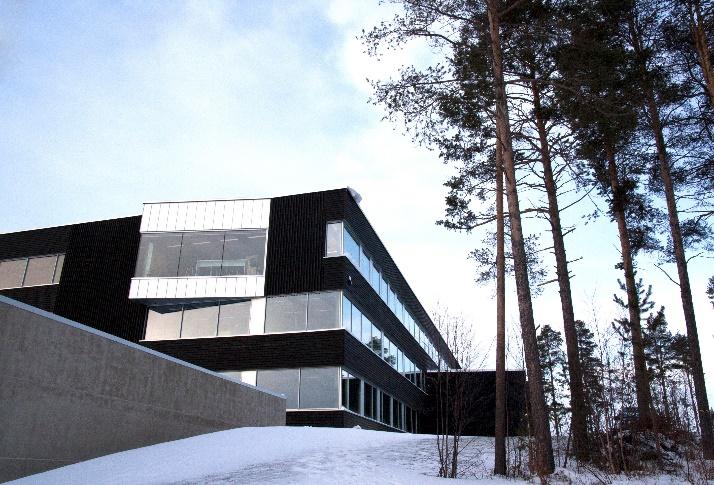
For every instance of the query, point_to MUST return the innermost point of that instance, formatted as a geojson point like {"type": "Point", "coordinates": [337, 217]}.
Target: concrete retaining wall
{"type": "Point", "coordinates": [70, 393]}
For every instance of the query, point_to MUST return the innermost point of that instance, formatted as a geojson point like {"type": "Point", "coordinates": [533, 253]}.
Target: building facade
{"type": "Point", "coordinates": [294, 294]}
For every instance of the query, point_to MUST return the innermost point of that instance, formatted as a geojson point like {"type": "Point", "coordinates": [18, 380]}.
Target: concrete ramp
{"type": "Point", "coordinates": [69, 393]}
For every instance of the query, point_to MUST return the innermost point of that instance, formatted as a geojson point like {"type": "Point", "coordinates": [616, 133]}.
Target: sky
{"type": "Point", "coordinates": [107, 105]}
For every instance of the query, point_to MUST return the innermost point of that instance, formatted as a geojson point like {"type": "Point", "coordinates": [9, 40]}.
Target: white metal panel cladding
{"type": "Point", "coordinates": [208, 215]}
{"type": "Point", "coordinates": [197, 287]}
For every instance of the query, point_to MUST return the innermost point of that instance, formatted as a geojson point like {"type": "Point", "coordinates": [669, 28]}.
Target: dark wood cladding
{"type": "Point", "coordinates": [480, 392]}
{"type": "Point", "coordinates": [333, 419]}
{"type": "Point", "coordinates": [296, 262]}
{"type": "Point", "coordinates": [98, 266]}
{"type": "Point", "coordinates": [42, 297]}
{"type": "Point", "coordinates": [367, 365]}
{"type": "Point", "coordinates": [249, 352]}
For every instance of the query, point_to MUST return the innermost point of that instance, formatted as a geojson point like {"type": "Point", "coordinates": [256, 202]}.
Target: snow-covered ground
{"type": "Point", "coordinates": [284, 455]}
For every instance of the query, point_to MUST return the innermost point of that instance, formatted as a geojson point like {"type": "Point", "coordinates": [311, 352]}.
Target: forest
{"type": "Point", "coordinates": [542, 105]}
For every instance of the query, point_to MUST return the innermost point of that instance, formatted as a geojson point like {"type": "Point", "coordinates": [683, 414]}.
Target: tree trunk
{"type": "Point", "coordinates": [575, 375]}
{"type": "Point", "coordinates": [543, 462]}
{"type": "Point", "coordinates": [685, 289]}
{"type": "Point", "coordinates": [644, 402]}
{"type": "Point", "coordinates": [696, 24]}
{"type": "Point", "coordinates": [499, 467]}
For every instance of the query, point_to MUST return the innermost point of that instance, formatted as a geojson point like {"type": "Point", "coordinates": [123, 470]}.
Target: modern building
{"type": "Point", "coordinates": [294, 294]}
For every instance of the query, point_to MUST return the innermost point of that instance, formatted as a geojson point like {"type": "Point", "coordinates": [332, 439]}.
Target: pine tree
{"type": "Point", "coordinates": [553, 366]}
{"type": "Point", "coordinates": [660, 356]}
{"type": "Point", "coordinates": [592, 369]}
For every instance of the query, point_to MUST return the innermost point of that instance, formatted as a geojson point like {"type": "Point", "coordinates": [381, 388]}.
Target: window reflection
{"type": "Point", "coordinates": [158, 255]}
{"type": "Point", "coordinates": [234, 318]}
{"type": "Point", "coordinates": [199, 320]}
{"type": "Point", "coordinates": [333, 240]}
{"type": "Point", "coordinates": [322, 310]}
{"type": "Point", "coordinates": [40, 271]}
{"type": "Point", "coordinates": [283, 381]}
{"type": "Point", "coordinates": [201, 254]}
{"type": "Point", "coordinates": [318, 387]}
{"type": "Point", "coordinates": [286, 313]}
{"type": "Point", "coordinates": [243, 253]}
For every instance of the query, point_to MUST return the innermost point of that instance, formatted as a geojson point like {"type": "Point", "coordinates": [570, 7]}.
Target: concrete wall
{"type": "Point", "coordinates": [70, 393]}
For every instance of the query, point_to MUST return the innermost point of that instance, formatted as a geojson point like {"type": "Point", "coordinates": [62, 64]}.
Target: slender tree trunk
{"type": "Point", "coordinates": [575, 375]}
{"type": "Point", "coordinates": [644, 401]}
{"type": "Point", "coordinates": [543, 462]}
{"type": "Point", "coordinates": [699, 35]}
{"type": "Point", "coordinates": [685, 289]}
{"type": "Point", "coordinates": [499, 467]}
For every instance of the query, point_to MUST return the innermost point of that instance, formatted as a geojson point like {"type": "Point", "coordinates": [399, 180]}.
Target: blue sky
{"type": "Point", "coordinates": [104, 106]}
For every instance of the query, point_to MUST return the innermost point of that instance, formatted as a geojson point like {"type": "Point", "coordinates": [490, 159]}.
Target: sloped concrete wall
{"type": "Point", "coordinates": [69, 393]}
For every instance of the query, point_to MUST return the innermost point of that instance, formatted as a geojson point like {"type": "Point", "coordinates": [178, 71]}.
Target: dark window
{"type": "Point", "coordinates": [286, 313]}
{"type": "Point", "coordinates": [244, 253]}
{"type": "Point", "coordinates": [323, 310]}
{"type": "Point", "coordinates": [58, 269]}
{"type": "Point", "coordinates": [408, 416]}
{"type": "Point", "coordinates": [396, 414]}
{"type": "Point", "coordinates": [355, 394]}
{"type": "Point", "coordinates": [201, 254]}
{"type": "Point", "coordinates": [282, 381]}
{"type": "Point", "coordinates": [199, 320]}
{"type": "Point", "coordinates": [345, 401]}
{"type": "Point", "coordinates": [234, 318]}
{"type": "Point", "coordinates": [158, 255]}
{"type": "Point", "coordinates": [370, 400]}
{"type": "Point", "coordinates": [386, 409]}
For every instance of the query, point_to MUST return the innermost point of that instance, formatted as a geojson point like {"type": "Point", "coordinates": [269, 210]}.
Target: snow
{"type": "Point", "coordinates": [293, 455]}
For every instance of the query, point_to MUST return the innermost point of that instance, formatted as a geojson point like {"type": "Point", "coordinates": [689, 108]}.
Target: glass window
{"type": "Point", "coordinates": [58, 269]}
{"type": "Point", "coordinates": [356, 323]}
{"type": "Point", "coordinates": [12, 273]}
{"type": "Point", "coordinates": [400, 361]}
{"type": "Point", "coordinates": [409, 423]}
{"type": "Point", "coordinates": [286, 313]}
{"type": "Point", "coordinates": [355, 395]}
{"type": "Point", "coordinates": [40, 271]}
{"type": "Point", "coordinates": [400, 311]}
{"type": "Point", "coordinates": [370, 401]}
{"type": "Point", "coordinates": [366, 331]}
{"type": "Point", "coordinates": [383, 289]}
{"type": "Point", "coordinates": [351, 248]}
{"type": "Point", "coordinates": [345, 399]}
{"type": "Point", "coordinates": [396, 414]}
{"type": "Point", "coordinates": [234, 318]}
{"type": "Point", "coordinates": [386, 417]}
{"type": "Point", "coordinates": [346, 314]}
{"type": "Point", "coordinates": [158, 255]}
{"type": "Point", "coordinates": [333, 240]}
{"type": "Point", "coordinates": [201, 254]}
{"type": "Point", "coordinates": [285, 382]}
{"type": "Point", "coordinates": [374, 278]}
{"type": "Point", "coordinates": [364, 264]}
{"type": "Point", "coordinates": [163, 323]}
{"type": "Point", "coordinates": [318, 387]}
{"type": "Point", "coordinates": [322, 310]}
{"type": "Point", "coordinates": [243, 253]}
{"type": "Point", "coordinates": [199, 320]}
{"type": "Point", "coordinates": [385, 348]}
{"type": "Point", "coordinates": [376, 342]}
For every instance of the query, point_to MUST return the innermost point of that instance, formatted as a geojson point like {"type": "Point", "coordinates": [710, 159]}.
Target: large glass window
{"type": "Point", "coordinates": [40, 271]}
{"type": "Point", "coordinates": [396, 414]}
{"type": "Point", "coordinates": [374, 278]}
{"type": "Point", "coordinates": [386, 415]}
{"type": "Point", "coordinates": [370, 401]}
{"type": "Point", "coordinates": [283, 381]}
{"type": "Point", "coordinates": [286, 313]}
{"type": "Point", "coordinates": [244, 253]}
{"type": "Point", "coordinates": [199, 320]}
{"type": "Point", "coordinates": [383, 289]}
{"type": "Point", "coordinates": [333, 241]}
{"type": "Point", "coordinates": [376, 342]}
{"type": "Point", "coordinates": [201, 254]}
{"type": "Point", "coordinates": [357, 323]}
{"type": "Point", "coordinates": [346, 314]}
{"type": "Point", "coordinates": [319, 387]}
{"type": "Point", "coordinates": [366, 337]}
{"type": "Point", "coordinates": [364, 263]}
{"type": "Point", "coordinates": [158, 255]}
{"type": "Point", "coordinates": [163, 323]}
{"type": "Point", "coordinates": [323, 310]}
{"type": "Point", "coordinates": [351, 248]}
{"type": "Point", "coordinates": [234, 318]}
{"type": "Point", "coordinates": [12, 273]}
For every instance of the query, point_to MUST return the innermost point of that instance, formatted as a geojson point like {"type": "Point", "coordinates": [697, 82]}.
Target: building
{"type": "Point", "coordinates": [294, 294]}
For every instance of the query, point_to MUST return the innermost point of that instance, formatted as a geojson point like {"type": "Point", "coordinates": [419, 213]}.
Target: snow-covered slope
{"type": "Point", "coordinates": [271, 455]}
